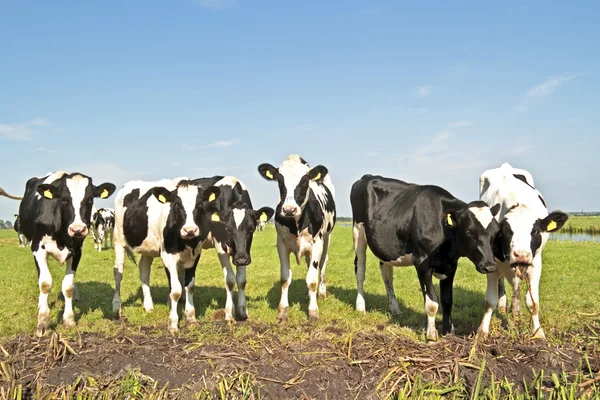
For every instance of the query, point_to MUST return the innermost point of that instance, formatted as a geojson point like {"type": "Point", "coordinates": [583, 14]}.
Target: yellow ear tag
{"type": "Point", "coordinates": [449, 219]}
{"type": "Point", "coordinates": [269, 174]}
{"type": "Point", "coordinates": [215, 217]}
{"type": "Point", "coordinates": [162, 198]}
{"type": "Point", "coordinates": [551, 226]}
{"type": "Point", "coordinates": [316, 178]}
{"type": "Point", "coordinates": [47, 194]}
{"type": "Point", "coordinates": [263, 217]}
{"type": "Point", "coordinates": [104, 194]}
{"type": "Point", "coordinates": [212, 197]}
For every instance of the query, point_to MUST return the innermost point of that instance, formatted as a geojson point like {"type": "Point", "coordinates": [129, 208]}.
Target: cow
{"type": "Point", "coordinates": [261, 226]}
{"type": "Point", "coordinates": [103, 223]}
{"type": "Point", "coordinates": [55, 216]}
{"type": "Point", "coordinates": [23, 242]}
{"type": "Point", "coordinates": [525, 225]}
{"type": "Point", "coordinates": [304, 219]}
{"type": "Point", "coordinates": [407, 224]}
{"type": "Point", "coordinates": [166, 219]}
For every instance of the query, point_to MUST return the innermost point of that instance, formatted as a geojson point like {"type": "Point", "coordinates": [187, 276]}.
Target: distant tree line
{"type": "Point", "coordinates": [5, 224]}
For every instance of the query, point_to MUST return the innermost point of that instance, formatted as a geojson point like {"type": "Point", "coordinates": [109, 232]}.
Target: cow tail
{"type": "Point", "coordinates": [130, 255]}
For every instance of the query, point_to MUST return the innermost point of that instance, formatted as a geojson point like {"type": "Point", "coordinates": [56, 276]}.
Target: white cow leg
{"type": "Point", "coordinates": [188, 284]}
{"type": "Point", "coordinates": [45, 284]}
{"type": "Point", "coordinates": [118, 275]}
{"type": "Point", "coordinates": [387, 273]}
{"type": "Point", "coordinates": [533, 299]}
{"type": "Point", "coordinates": [515, 283]}
{"type": "Point", "coordinates": [170, 262]}
{"type": "Point", "coordinates": [491, 302]}
{"type": "Point", "coordinates": [67, 290]}
{"type": "Point", "coordinates": [144, 265]}
{"type": "Point", "coordinates": [312, 278]}
{"type": "Point", "coordinates": [229, 279]}
{"type": "Point", "coordinates": [286, 280]}
{"type": "Point", "coordinates": [323, 264]}
{"type": "Point", "coordinates": [360, 261]}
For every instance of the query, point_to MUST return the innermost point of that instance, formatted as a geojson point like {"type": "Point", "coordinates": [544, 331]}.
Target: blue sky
{"type": "Point", "coordinates": [429, 93]}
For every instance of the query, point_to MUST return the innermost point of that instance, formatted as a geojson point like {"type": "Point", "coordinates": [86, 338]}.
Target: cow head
{"type": "Point", "coordinates": [16, 216]}
{"type": "Point", "coordinates": [234, 229]}
{"type": "Point", "coordinates": [294, 177]}
{"type": "Point", "coordinates": [475, 228]}
{"type": "Point", "coordinates": [187, 203]}
{"type": "Point", "coordinates": [74, 196]}
{"type": "Point", "coordinates": [523, 234]}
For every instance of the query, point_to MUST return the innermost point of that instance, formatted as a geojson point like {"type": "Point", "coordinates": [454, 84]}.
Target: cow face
{"type": "Point", "coordinates": [234, 230]}
{"type": "Point", "coordinates": [475, 230]}
{"type": "Point", "coordinates": [293, 177]}
{"type": "Point", "coordinates": [523, 235]}
{"type": "Point", "coordinates": [74, 197]}
{"type": "Point", "coordinates": [187, 203]}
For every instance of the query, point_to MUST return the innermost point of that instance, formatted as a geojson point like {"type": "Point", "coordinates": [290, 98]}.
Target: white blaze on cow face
{"type": "Point", "coordinates": [294, 176]}
{"type": "Point", "coordinates": [238, 216]}
{"type": "Point", "coordinates": [524, 237]}
{"type": "Point", "coordinates": [77, 186]}
{"type": "Point", "coordinates": [483, 215]}
{"type": "Point", "coordinates": [188, 196]}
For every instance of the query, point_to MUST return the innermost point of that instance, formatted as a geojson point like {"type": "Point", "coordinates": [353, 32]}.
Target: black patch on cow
{"type": "Point", "coordinates": [536, 237]}
{"type": "Point", "coordinates": [315, 264]}
{"type": "Point", "coordinates": [542, 200]}
{"type": "Point", "coordinates": [303, 161]}
{"type": "Point", "coordinates": [135, 218]}
{"type": "Point", "coordinates": [523, 179]}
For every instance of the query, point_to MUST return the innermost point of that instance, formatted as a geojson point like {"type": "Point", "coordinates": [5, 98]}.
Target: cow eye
{"type": "Point", "coordinates": [471, 234]}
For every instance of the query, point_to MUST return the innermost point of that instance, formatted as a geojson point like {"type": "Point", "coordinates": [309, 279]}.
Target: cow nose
{"type": "Point", "coordinates": [290, 211]}
{"type": "Point", "coordinates": [191, 231]}
{"type": "Point", "coordinates": [487, 268]}
{"type": "Point", "coordinates": [241, 260]}
{"type": "Point", "coordinates": [78, 231]}
{"type": "Point", "coordinates": [522, 256]}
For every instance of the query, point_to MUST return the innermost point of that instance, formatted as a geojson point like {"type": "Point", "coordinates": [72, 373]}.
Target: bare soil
{"type": "Point", "coordinates": [327, 365]}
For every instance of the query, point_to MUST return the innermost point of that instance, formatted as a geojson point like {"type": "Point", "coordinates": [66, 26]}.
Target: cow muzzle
{"type": "Point", "coordinates": [486, 268]}
{"type": "Point", "coordinates": [78, 231]}
{"type": "Point", "coordinates": [290, 210]}
{"type": "Point", "coordinates": [190, 232]}
{"type": "Point", "coordinates": [243, 259]}
{"type": "Point", "coordinates": [520, 257]}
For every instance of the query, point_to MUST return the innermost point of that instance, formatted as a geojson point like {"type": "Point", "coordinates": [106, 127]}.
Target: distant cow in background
{"type": "Point", "coordinates": [406, 224]}
{"type": "Point", "coordinates": [103, 224]}
{"type": "Point", "coordinates": [55, 216]}
{"type": "Point", "coordinates": [261, 226]}
{"type": "Point", "coordinates": [525, 225]}
{"type": "Point", "coordinates": [23, 242]}
{"type": "Point", "coordinates": [304, 219]}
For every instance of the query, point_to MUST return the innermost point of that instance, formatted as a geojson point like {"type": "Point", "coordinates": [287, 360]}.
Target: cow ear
{"type": "Point", "coordinates": [318, 173]}
{"type": "Point", "coordinates": [48, 191]}
{"type": "Point", "coordinates": [162, 194]}
{"type": "Point", "coordinates": [16, 215]}
{"type": "Point", "coordinates": [268, 171]}
{"type": "Point", "coordinates": [264, 214]}
{"type": "Point", "coordinates": [450, 219]}
{"type": "Point", "coordinates": [105, 190]}
{"type": "Point", "coordinates": [494, 210]}
{"type": "Point", "coordinates": [211, 194]}
{"type": "Point", "coordinates": [554, 221]}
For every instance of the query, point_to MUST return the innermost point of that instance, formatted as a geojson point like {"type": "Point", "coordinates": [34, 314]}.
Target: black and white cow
{"type": "Point", "coordinates": [165, 219]}
{"type": "Point", "coordinates": [524, 229]}
{"type": "Point", "coordinates": [304, 219]}
{"type": "Point", "coordinates": [261, 226]}
{"type": "Point", "coordinates": [23, 242]}
{"type": "Point", "coordinates": [103, 224]}
{"type": "Point", "coordinates": [406, 224]}
{"type": "Point", "coordinates": [54, 215]}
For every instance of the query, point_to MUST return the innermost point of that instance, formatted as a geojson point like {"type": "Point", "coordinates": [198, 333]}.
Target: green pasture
{"type": "Point", "coordinates": [570, 288]}
{"type": "Point", "coordinates": [582, 224]}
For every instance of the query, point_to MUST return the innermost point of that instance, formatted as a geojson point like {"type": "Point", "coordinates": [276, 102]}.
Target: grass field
{"type": "Point", "coordinates": [570, 301]}
{"type": "Point", "coordinates": [582, 224]}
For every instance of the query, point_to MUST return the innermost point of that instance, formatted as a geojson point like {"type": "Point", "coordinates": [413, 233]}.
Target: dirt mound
{"type": "Point", "coordinates": [358, 365]}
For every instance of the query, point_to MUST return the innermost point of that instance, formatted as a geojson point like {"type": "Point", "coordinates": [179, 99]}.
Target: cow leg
{"type": "Point", "coordinates": [491, 302]}
{"type": "Point", "coordinates": [425, 272]}
{"type": "Point", "coordinates": [144, 265]}
{"type": "Point", "coordinates": [188, 284]}
{"type": "Point", "coordinates": [312, 278]}
{"type": "Point", "coordinates": [387, 273]}
{"type": "Point", "coordinates": [45, 284]}
{"type": "Point", "coordinates": [242, 311]}
{"type": "Point", "coordinates": [534, 274]}
{"type": "Point", "coordinates": [446, 295]}
{"type": "Point", "coordinates": [502, 296]}
{"type": "Point", "coordinates": [515, 282]}
{"type": "Point", "coordinates": [286, 280]}
{"type": "Point", "coordinates": [323, 264]}
{"type": "Point", "coordinates": [171, 264]}
{"type": "Point", "coordinates": [118, 275]}
{"type": "Point", "coordinates": [68, 287]}
{"type": "Point", "coordinates": [229, 279]}
{"type": "Point", "coordinates": [360, 261]}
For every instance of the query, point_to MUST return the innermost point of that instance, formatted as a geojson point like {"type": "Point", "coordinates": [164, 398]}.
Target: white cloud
{"type": "Point", "coordinates": [223, 143]}
{"type": "Point", "coordinates": [24, 131]}
{"type": "Point", "coordinates": [217, 4]}
{"type": "Point", "coordinates": [542, 90]}
{"type": "Point", "coordinates": [45, 150]}
{"type": "Point", "coordinates": [460, 124]}
{"type": "Point", "coordinates": [371, 153]}
{"type": "Point", "coordinates": [424, 91]}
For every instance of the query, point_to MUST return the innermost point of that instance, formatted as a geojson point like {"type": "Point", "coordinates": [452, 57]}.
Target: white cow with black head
{"type": "Point", "coordinates": [525, 225]}
{"type": "Point", "coordinates": [304, 219]}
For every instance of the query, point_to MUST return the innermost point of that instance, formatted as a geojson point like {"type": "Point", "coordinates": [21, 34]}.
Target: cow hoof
{"type": "Point", "coordinates": [40, 331]}
{"type": "Point", "coordinates": [432, 336]}
{"type": "Point", "coordinates": [313, 315]}
{"type": "Point", "coordinates": [149, 307]}
{"type": "Point", "coordinates": [69, 322]}
{"type": "Point", "coordinates": [190, 317]}
{"type": "Point", "coordinates": [173, 330]}
{"type": "Point", "coordinates": [482, 335]}
{"type": "Point", "coordinates": [539, 335]}
{"type": "Point", "coordinates": [242, 314]}
{"type": "Point", "coordinates": [322, 292]}
{"type": "Point", "coordinates": [282, 314]}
